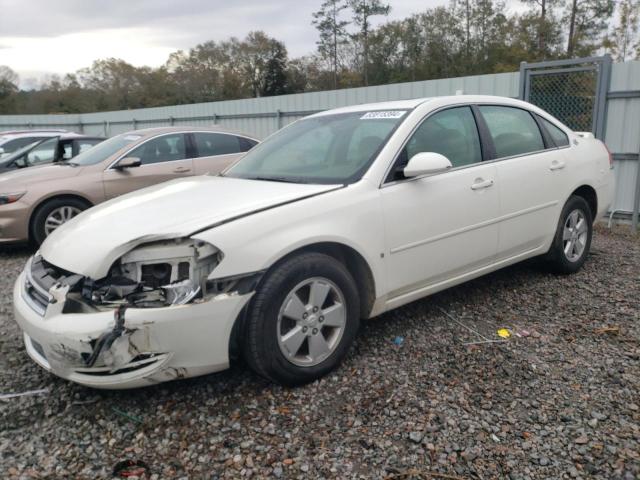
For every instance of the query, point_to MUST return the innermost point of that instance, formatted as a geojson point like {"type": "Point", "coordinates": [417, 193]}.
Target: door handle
{"type": "Point", "coordinates": [181, 170]}
{"type": "Point", "coordinates": [557, 165]}
{"type": "Point", "coordinates": [480, 184]}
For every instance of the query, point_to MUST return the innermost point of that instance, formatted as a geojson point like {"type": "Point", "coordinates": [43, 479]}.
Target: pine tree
{"type": "Point", "coordinates": [625, 35]}
{"type": "Point", "coordinates": [363, 10]}
{"type": "Point", "coordinates": [333, 32]}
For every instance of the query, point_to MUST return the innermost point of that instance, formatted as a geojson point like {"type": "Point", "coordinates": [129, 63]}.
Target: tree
{"type": "Point", "coordinates": [332, 31]}
{"type": "Point", "coordinates": [8, 89]}
{"type": "Point", "coordinates": [8, 81]}
{"type": "Point", "coordinates": [625, 33]}
{"type": "Point", "coordinates": [276, 81]}
{"type": "Point", "coordinates": [543, 23]}
{"type": "Point", "coordinates": [587, 19]}
{"type": "Point", "coordinates": [254, 55]}
{"type": "Point", "coordinates": [363, 10]}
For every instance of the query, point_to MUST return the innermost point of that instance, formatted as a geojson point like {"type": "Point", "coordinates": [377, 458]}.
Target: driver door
{"type": "Point", "coordinates": [162, 158]}
{"type": "Point", "coordinates": [440, 226]}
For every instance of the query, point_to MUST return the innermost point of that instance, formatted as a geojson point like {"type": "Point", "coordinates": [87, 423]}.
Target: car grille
{"type": "Point", "coordinates": [35, 294]}
{"type": "Point", "coordinates": [40, 276]}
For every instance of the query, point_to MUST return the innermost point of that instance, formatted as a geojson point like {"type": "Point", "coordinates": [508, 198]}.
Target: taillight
{"type": "Point", "coordinates": [610, 155]}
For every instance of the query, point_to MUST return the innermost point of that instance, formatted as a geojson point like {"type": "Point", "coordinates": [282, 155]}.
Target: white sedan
{"type": "Point", "coordinates": [338, 217]}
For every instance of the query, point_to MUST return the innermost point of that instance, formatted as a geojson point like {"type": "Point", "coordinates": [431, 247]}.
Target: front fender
{"type": "Point", "coordinates": [349, 216]}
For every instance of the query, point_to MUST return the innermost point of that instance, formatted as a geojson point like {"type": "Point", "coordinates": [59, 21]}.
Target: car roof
{"type": "Point", "coordinates": [391, 105]}
{"type": "Point", "coordinates": [33, 133]}
{"type": "Point", "coordinates": [45, 130]}
{"type": "Point", "coordinates": [441, 100]}
{"type": "Point", "coordinates": [149, 132]}
{"type": "Point", "coordinates": [70, 135]}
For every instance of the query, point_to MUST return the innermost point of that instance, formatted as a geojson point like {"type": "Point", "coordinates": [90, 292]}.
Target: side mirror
{"type": "Point", "coordinates": [424, 163]}
{"type": "Point", "coordinates": [128, 162]}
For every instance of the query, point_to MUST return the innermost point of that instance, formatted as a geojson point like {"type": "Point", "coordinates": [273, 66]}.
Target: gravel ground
{"type": "Point", "coordinates": [561, 400]}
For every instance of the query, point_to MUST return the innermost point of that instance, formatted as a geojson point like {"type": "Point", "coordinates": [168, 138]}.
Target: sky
{"type": "Point", "coordinates": [41, 37]}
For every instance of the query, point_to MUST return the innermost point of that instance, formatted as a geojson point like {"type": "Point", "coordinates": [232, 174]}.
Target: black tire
{"type": "Point", "coordinates": [38, 233]}
{"type": "Point", "coordinates": [261, 348]}
{"type": "Point", "coordinates": [556, 258]}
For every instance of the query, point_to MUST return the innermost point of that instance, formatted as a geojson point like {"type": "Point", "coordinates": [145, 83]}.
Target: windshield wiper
{"type": "Point", "coordinates": [281, 179]}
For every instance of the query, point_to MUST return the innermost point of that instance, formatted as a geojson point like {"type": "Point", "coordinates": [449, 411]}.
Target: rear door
{"type": "Point", "coordinates": [215, 151]}
{"type": "Point", "coordinates": [162, 158]}
{"type": "Point", "coordinates": [531, 173]}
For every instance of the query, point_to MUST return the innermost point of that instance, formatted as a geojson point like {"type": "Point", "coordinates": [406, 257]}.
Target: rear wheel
{"type": "Point", "coordinates": [302, 320]}
{"type": "Point", "coordinates": [573, 237]}
{"type": "Point", "coordinates": [52, 214]}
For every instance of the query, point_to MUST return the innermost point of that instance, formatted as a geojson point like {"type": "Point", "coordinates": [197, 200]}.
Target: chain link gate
{"type": "Point", "coordinates": [573, 91]}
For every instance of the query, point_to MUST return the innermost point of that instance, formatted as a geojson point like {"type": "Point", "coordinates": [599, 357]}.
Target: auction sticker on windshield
{"type": "Point", "coordinates": [383, 114]}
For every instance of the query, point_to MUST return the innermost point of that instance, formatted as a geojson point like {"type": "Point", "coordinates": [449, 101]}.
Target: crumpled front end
{"type": "Point", "coordinates": [160, 314]}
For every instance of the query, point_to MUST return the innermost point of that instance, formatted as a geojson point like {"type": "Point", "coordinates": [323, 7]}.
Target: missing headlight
{"type": "Point", "coordinates": [158, 274]}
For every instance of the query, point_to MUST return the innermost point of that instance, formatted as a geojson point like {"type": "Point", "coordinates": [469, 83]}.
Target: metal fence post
{"type": "Point", "coordinates": [636, 200]}
{"type": "Point", "coordinates": [135, 124]}
{"type": "Point", "coordinates": [521, 86]}
{"type": "Point", "coordinates": [604, 83]}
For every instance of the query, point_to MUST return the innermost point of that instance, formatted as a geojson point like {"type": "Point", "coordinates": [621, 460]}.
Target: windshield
{"type": "Point", "coordinates": [328, 149]}
{"type": "Point", "coordinates": [104, 150]}
{"type": "Point", "coordinates": [8, 160]}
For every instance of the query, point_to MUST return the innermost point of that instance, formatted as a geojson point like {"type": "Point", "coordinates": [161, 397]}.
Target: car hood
{"type": "Point", "coordinates": [23, 177]}
{"type": "Point", "coordinates": [91, 242]}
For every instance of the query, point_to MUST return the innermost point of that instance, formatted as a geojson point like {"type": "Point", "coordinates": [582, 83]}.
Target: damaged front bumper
{"type": "Point", "coordinates": [154, 345]}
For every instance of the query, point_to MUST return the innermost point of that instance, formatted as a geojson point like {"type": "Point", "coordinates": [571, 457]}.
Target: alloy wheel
{"type": "Point", "coordinates": [311, 322]}
{"type": "Point", "coordinates": [59, 216]}
{"type": "Point", "coordinates": [574, 235]}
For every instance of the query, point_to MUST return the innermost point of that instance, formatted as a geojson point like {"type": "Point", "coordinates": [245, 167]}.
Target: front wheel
{"type": "Point", "coordinates": [573, 237]}
{"type": "Point", "coordinates": [52, 214]}
{"type": "Point", "coordinates": [302, 320]}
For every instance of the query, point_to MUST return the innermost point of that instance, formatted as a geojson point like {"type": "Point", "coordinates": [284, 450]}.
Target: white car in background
{"type": "Point", "coordinates": [13, 140]}
{"type": "Point", "coordinates": [343, 215]}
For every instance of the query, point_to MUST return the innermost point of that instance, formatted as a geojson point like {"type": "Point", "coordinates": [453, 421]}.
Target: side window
{"type": "Point", "coordinates": [559, 137]}
{"type": "Point", "coordinates": [210, 144]}
{"type": "Point", "coordinates": [452, 133]}
{"type": "Point", "coordinates": [161, 149]}
{"type": "Point", "coordinates": [246, 144]}
{"type": "Point", "coordinates": [43, 153]}
{"type": "Point", "coordinates": [65, 150]}
{"type": "Point", "coordinates": [514, 131]}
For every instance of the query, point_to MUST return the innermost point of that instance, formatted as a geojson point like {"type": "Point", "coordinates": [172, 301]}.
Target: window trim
{"type": "Point", "coordinates": [386, 181]}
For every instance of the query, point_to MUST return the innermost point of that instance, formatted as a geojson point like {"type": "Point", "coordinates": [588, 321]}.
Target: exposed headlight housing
{"type": "Point", "coordinates": [6, 198]}
{"type": "Point", "coordinates": [163, 273]}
